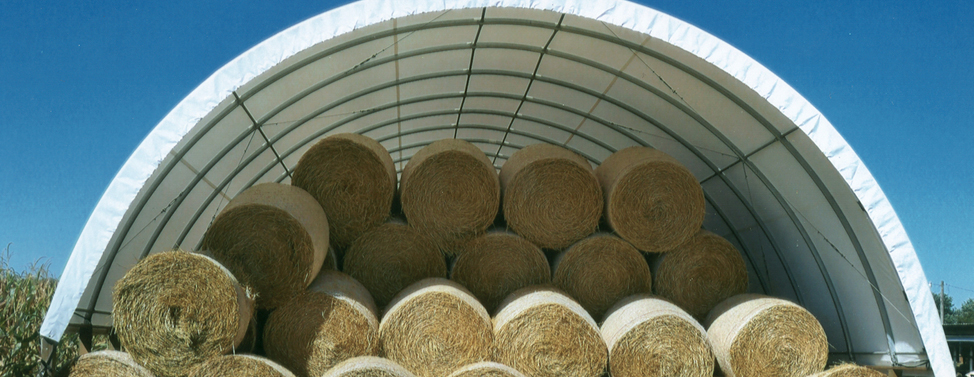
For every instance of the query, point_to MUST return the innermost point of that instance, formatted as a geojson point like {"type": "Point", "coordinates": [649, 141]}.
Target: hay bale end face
{"type": "Point", "coordinates": [368, 366]}
{"type": "Point", "coordinates": [601, 270]}
{"type": "Point", "coordinates": [700, 273]}
{"type": "Point", "coordinates": [651, 200]}
{"type": "Point", "coordinates": [486, 369]}
{"type": "Point", "coordinates": [495, 265]}
{"type": "Point", "coordinates": [107, 363]}
{"type": "Point", "coordinates": [849, 370]}
{"type": "Point", "coordinates": [239, 365]}
{"type": "Point", "coordinates": [550, 195]}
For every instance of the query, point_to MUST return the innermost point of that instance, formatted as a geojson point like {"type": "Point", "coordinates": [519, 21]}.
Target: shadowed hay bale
{"type": "Point", "coordinates": [368, 366]}
{"type": "Point", "coordinates": [496, 264]}
{"type": "Point", "coordinates": [550, 195]}
{"type": "Point", "coordinates": [848, 370]}
{"type": "Point", "coordinates": [486, 369]}
{"type": "Point", "coordinates": [334, 320]}
{"type": "Point", "coordinates": [354, 180]}
{"type": "Point", "coordinates": [651, 200]}
{"type": "Point", "coordinates": [450, 191]}
{"type": "Point", "coordinates": [175, 309]}
{"type": "Point", "coordinates": [754, 336]}
{"type": "Point", "coordinates": [434, 327]}
{"type": "Point", "coordinates": [273, 237]}
{"type": "Point", "coordinates": [541, 332]}
{"type": "Point", "coordinates": [601, 270]}
{"type": "Point", "coordinates": [389, 258]}
{"type": "Point", "coordinates": [239, 365]}
{"type": "Point", "coordinates": [648, 336]}
{"type": "Point", "coordinates": [700, 273]}
{"type": "Point", "coordinates": [108, 364]}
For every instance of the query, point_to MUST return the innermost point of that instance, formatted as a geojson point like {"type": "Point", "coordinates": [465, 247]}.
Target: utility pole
{"type": "Point", "coordinates": [941, 301]}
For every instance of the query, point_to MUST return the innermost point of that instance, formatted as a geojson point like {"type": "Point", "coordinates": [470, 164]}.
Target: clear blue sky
{"type": "Point", "coordinates": [82, 83]}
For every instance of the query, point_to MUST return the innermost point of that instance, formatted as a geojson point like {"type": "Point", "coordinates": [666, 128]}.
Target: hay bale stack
{"type": "Point", "coordinates": [544, 333]}
{"type": "Point", "coordinates": [239, 365]}
{"type": "Point", "coordinates": [353, 178]}
{"type": "Point", "coordinates": [496, 264]}
{"type": "Point", "coordinates": [601, 270]}
{"type": "Point", "coordinates": [550, 195]}
{"type": "Point", "coordinates": [651, 200]}
{"type": "Point", "coordinates": [390, 257]}
{"type": "Point", "coordinates": [648, 336]}
{"type": "Point", "coordinates": [754, 335]}
{"type": "Point", "coordinates": [450, 191]}
{"type": "Point", "coordinates": [368, 366]}
{"type": "Point", "coordinates": [334, 320]}
{"type": "Point", "coordinates": [273, 237]}
{"type": "Point", "coordinates": [700, 273]}
{"type": "Point", "coordinates": [175, 309]}
{"type": "Point", "coordinates": [107, 363]}
{"type": "Point", "coordinates": [848, 370]}
{"type": "Point", "coordinates": [486, 369]}
{"type": "Point", "coordinates": [434, 327]}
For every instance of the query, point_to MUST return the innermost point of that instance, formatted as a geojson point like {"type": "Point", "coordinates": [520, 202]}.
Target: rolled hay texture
{"type": "Point", "coordinates": [389, 258]}
{"type": "Point", "coordinates": [273, 237]}
{"type": "Point", "coordinates": [601, 270]}
{"type": "Point", "coordinates": [754, 335]}
{"type": "Point", "coordinates": [496, 264]}
{"type": "Point", "coordinates": [175, 309]}
{"type": "Point", "coordinates": [486, 369]}
{"type": "Point", "coordinates": [239, 365]}
{"type": "Point", "coordinates": [700, 273]}
{"type": "Point", "coordinates": [651, 200]}
{"type": "Point", "coordinates": [848, 370]}
{"type": "Point", "coordinates": [334, 320]}
{"type": "Point", "coordinates": [550, 195]}
{"type": "Point", "coordinates": [541, 332]}
{"type": "Point", "coordinates": [648, 336]}
{"type": "Point", "coordinates": [368, 366]}
{"type": "Point", "coordinates": [108, 363]}
{"type": "Point", "coordinates": [450, 191]}
{"type": "Point", "coordinates": [353, 178]}
{"type": "Point", "coordinates": [434, 327]}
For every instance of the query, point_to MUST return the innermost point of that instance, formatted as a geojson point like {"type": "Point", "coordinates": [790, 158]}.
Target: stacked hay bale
{"type": "Point", "coordinates": [486, 369]}
{"type": "Point", "coordinates": [239, 365]}
{"type": "Point", "coordinates": [368, 366]}
{"type": "Point", "coordinates": [848, 370]}
{"type": "Point", "coordinates": [498, 263]}
{"type": "Point", "coordinates": [601, 270]}
{"type": "Point", "coordinates": [107, 363]}
{"type": "Point", "coordinates": [700, 273]}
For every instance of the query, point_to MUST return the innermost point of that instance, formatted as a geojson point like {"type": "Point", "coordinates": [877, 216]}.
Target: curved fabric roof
{"type": "Point", "coordinates": [593, 76]}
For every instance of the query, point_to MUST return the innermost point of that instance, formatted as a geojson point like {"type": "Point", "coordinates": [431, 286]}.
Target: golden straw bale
{"type": "Point", "coordinates": [754, 335]}
{"type": "Point", "coordinates": [334, 320]}
{"type": "Point", "coordinates": [550, 195]}
{"type": "Point", "coordinates": [450, 191]}
{"type": "Point", "coordinates": [848, 370]}
{"type": "Point", "coordinates": [651, 200]}
{"type": "Point", "coordinates": [108, 364]}
{"type": "Point", "coordinates": [541, 332]}
{"type": "Point", "coordinates": [239, 365]}
{"type": "Point", "coordinates": [700, 273]}
{"type": "Point", "coordinates": [434, 327]}
{"type": "Point", "coordinates": [368, 366]}
{"type": "Point", "coordinates": [486, 369]}
{"type": "Point", "coordinates": [496, 264]}
{"type": "Point", "coordinates": [174, 309]}
{"type": "Point", "coordinates": [353, 178]}
{"type": "Point", "coordinates": [600, 270]}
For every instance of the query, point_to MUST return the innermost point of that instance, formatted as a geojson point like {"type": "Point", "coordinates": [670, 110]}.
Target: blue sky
{"type": "Point", "coordinates": [82, 83]}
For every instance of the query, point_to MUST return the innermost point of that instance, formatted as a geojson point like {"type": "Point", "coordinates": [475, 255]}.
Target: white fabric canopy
{"type": "Point", "coordinates": [594, 76]}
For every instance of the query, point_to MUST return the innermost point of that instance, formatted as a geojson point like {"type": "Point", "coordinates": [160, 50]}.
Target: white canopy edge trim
{"type": "Point", "coordinates": [149, 154]}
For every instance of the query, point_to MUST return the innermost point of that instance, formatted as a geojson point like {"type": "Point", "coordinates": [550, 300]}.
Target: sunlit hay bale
{"type": "Point", "coordinates": [434, 327]}
{"type": "Point", "coordinates": [353, 178]}
{"type": "Point", "coordinates": [600, 270]}
{"type": "Point", "coordinates": [450, 191]}
{"type": "Point", "coordinates": [550, 195]}
{"type": "Point", "coordinates": [848, 370]}
{"type": "Point", "coordinates": [239, 365]}
{"type": "Point", "coordinates": [754, 336]}
{"type": "Point", "coordinates": [273, 237]}
{"type": "Point", "coordinates": [648, 336]}
{"type": "Point", "coordinates": [368, 366]}
{"type": "Point", "coordinates": [496, 264]}
{"type": "Point", "coordinates": [541, 332]}
{"type": "Point", "coordinates": [334, 320]}
{"type": "Point", "coordinates": [390, 257]}
{"type": "Point", "coordinates": [486, 369]}
{"type": "Point", "coordinates": [700, 273]}
{"type": "Point", "coordinates": [651, 200]}
{"type": "Point", "coordinates": [175, 309]}
{"type": "Point", "coordinates": [108, 364]}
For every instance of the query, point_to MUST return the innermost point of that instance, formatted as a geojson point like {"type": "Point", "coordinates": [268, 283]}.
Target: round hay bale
{"type": "Point", "coordinates": [239, 365]}
{"type": "Point", "coordinates": [390, 257]}
{"type": "Point", "coordinates": [273, 237]}
{"type": "Point", "coordinates": [550, 195]}
{"type": "Point", "coordinates": [754, 335]}
{"type": "Point", "coordinates": [544, 333]}
{"type": "Point", "coordinates": [434, 327]}
{"type": "Point", "coordinates": [107, 363]}
{"type": "Point", "coordinates": [651, 200]}
{"type": "Point", "coordinates": [700, 273]}
{"type": "Point", "coordinates": [368, 366]}
{"type": "Point", "coordinates": [601, 270]}
{"type": "Point", "coordinates": [334, 320]}
{"type": "Point", "coordinates": [175, 309]}
{"type": "Point", "coordinates": [486, 369]}
{"type": "Point", "coordinates": [496, 264]}
{"type": "Point", "coordinates": [849, 370]}
{"type": "Point", "coordinates": [648, 336]}
{"type": "Point", "coordinates": [353, 178]}
{"type": "Point", "coordinates": [450, 191]}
